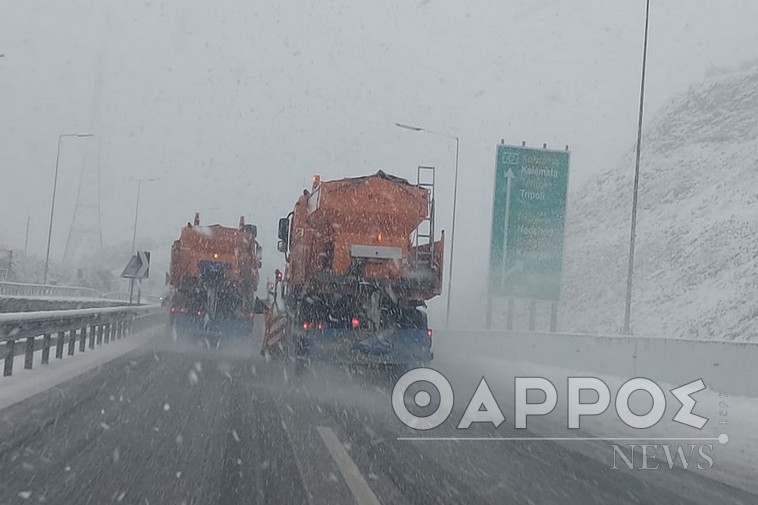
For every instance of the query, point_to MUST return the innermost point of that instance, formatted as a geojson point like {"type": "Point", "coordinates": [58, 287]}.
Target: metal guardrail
{"type": "Point", "coordinates": [87, 327]}
{"type": "Point", "coordinates": [19, 289]}
{"type": "Point", "coordinates": [124, 296]}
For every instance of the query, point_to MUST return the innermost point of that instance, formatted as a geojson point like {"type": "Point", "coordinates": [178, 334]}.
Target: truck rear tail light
{"type": "Point", "coordinates": [320, 325]}
{"type": "Point", "coordinates": [355, 322]}
{"type": "Point", "coordinates": [183, 310]}
{"type": "Point", "coordinates": [173, 310]}
{"type": "Point", "coordinates": [199, 312]}
{"type": "Point", "coordinates": [306, 325]}
{"type": "Point", "coordinates": [429, 333]}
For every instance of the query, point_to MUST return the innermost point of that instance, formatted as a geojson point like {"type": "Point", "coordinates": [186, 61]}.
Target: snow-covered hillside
{"type": "Point", "coordinates": [696, 268]}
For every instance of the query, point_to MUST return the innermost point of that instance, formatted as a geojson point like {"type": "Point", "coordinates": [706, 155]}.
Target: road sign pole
{"type": "Point", "coordinates": [131, 290]}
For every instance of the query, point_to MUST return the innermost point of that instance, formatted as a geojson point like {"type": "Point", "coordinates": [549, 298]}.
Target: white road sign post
{"type": "Point", "coordinates": [137, 268]}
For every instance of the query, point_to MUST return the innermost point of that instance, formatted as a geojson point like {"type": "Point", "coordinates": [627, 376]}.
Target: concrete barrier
{"type": "Point", "coordinates": [727, 366]}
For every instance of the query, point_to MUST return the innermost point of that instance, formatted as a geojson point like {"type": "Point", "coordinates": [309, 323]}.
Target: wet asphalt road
{"type": "Point", "coordinates": [172, 424]}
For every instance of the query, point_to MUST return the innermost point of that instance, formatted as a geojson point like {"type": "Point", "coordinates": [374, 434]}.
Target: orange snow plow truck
{"type": "Point", "coordinates": [361, 261]}
{"type": "Point", "coordinates": [214, 275]}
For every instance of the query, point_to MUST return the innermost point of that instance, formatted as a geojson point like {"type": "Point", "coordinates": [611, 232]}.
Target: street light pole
{"type": "Point", "coordinates": [134, 235]}
{"type": "Point", "coordinates": [633, 233]}
{"type": "Point", "coordinates": [455, 200]}
{"type": "Point", "coordinates": [452, 237]}
{"type": "Point", "coordinates": [136, 210]}
{"type": "Point", "coordinates": [52, 202]}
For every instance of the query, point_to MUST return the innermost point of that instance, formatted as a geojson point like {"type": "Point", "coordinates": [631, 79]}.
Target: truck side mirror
{"type": "Point", "coordinates": [281, 246]}
{"type": "Point", "coordinates": [251, 229]}
{"type": "Point", "coordinates": [284, 229]}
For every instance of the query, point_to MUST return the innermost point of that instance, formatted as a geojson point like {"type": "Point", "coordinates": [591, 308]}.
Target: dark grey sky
{"type": "Point", "coordinates": [235, 104]}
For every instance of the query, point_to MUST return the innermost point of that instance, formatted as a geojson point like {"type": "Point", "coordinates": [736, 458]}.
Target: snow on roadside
{"type": "Point", "coordinates": [696, 268]}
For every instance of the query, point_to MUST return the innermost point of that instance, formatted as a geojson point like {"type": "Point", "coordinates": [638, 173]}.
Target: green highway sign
{"type": "Point", "coordinates": [528, 217]}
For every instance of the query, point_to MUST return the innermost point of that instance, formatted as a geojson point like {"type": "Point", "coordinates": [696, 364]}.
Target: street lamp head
{"type": "Point", "coordinates": [79, 135]}
{"type": "Point", "coordinates": [409, 127]}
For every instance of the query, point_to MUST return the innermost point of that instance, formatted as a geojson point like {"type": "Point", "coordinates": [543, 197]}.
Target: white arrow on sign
{"type": "Point", "coordinates": [508, 183]}
{"type": "Point", "coordinates": [518, 267]}
{"type": "Point", "coordinates": [145, 264]}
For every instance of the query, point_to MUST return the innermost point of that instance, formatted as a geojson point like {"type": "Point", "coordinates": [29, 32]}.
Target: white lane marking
{"type": "Point", "coordinates": [355, 481]}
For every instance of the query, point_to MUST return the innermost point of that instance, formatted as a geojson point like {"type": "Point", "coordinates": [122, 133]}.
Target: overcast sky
{"type": "Point", "coordinates": [235, 104]}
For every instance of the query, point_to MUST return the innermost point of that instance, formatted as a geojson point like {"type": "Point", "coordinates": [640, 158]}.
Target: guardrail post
{"type": "Point", "coordinates": [99, 328]}
{"type": "Point", "coordinates": [118, 330]}
{"type": "Point", "coordinates": [553, 317]}
{"type": "Point", "coordinates": [92, 331]}
{"type": "Point", "coordinates": [532, 315]}
{"type": "Point", "coordinates": [59, 345]}
{"type": "Point", "coordinates": [9, 355]}
{"type": "Point", "coordinates": [29, 354]}
{"type": "Point", "coordinates": [107, 332]}
{"type": "Point", "coordinates": [82, 339]}
{"type": "Point", "coordinates": [114, 330]}
{"type": "Point", "coordinates": [46, 349]}
{"type": "Point", "coordinates": [71, 341]}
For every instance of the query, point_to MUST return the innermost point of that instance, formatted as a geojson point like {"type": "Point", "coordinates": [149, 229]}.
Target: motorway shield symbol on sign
{"type": "Point", "coordinates": [528, 217]}
{"type": "Point", "coordinates": [138, 266]}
